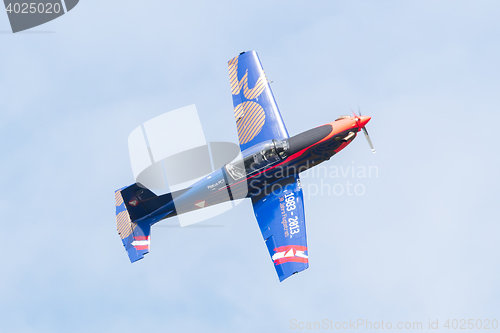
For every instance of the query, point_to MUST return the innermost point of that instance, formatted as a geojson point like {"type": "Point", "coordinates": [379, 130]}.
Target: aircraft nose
{"type": "Point", "coordinates": [363, 120]}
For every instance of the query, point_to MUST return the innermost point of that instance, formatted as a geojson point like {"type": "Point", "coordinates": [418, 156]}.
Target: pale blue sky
{"type": "Point", "coordinates": [420, 244]}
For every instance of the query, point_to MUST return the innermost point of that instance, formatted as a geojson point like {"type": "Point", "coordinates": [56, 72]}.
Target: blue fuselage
{"type": "Point", "coordinates": [260, 169]}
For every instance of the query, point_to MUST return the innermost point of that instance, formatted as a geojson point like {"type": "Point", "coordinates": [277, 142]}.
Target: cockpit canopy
{"type": "Point", "coordinates": [343, 117]}
{"type": "Point", "coordinates": [257, 158]}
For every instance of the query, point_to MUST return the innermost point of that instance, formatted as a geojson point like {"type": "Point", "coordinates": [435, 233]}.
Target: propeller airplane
{"type": "Point", "coordinates": [267, 173]}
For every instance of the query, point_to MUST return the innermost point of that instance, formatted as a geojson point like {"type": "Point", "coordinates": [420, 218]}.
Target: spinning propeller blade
{"type": "Point", "coordinates": [368, 138]}
{"type": "Point", "coordinates": [365, 131]}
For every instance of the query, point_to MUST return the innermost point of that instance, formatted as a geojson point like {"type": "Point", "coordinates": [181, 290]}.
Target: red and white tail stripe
{"type": "Point", "coordinates": [290, 253]}
{"type": "Point", "coordinates": [141, 242]}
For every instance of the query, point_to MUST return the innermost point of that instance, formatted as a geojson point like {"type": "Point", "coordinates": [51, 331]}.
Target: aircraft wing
{"type": "Point", "coordinates": [257, 116]}
{"type": "Point", "coordinates": [282, 223]}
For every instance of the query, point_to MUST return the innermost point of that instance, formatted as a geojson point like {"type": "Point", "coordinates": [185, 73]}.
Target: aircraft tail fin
{"type": "Point", "coordinates": [139, 201]}
{"type": "Point", "coordinates": [135, 237]}
{"type": "Point", "coordinates": [132, 203]}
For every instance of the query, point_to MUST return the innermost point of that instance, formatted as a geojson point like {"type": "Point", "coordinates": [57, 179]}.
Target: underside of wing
{"type": "Point", "coordinates": [257, 116]}
{"type": "Point", "coordinates": [282, 223]}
